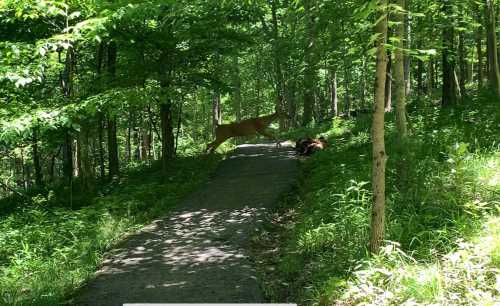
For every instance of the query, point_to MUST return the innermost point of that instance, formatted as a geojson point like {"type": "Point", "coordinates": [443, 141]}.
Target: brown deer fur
{"type": "Point", "coordinates": [246, 127]}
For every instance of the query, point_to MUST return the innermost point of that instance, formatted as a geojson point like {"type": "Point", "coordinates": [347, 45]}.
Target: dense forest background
{"type": "Point", "coordinates": [103, 103]}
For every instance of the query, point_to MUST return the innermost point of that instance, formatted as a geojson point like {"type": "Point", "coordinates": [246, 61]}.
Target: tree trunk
{"type": "Point", "coordinates": [449, 88]}
{"type": "Point", "coordinates": [216, 111]}
{"type": "Point", "coordinates": [400, 94]}
{"type": "Point", "coordinates": [128, 139]}
{"type": "Point", "coordinates": [309, 62]}
{"type": "Point", "coordinates": [378, 154]}
{"type": "Point", "coordinates": [114, 166]}
{"type": "Point", "coordinates": [363, 83]}
{"type": "Point", "coordinates": [430, 78]}
{"type": "Point", "coordinates": [100, 135]}
{"type": "Point", "coordinates": [86, 169]}
{"type": "Point", "coordinates": [280, 84]}
{"type": "Point", "coordinates": [36, 159]}
{"type": "Point", "coordinates": [333, 93]}
{"type": "Point", "coordinates": [179, 126]}
{"type": "Point", "coordinates": [407, 45]}
{"type": "Point", "coordinates": [493, 72]}
{"type": "Point", "coordinates": [479, 51]}
{"type": "Point", "coordinates": [237, 89]}
{"type": "Point", "coordinates": [347, 83]}
{"type": "Point", "coordinates": [388, 84]}
{"type": "Point", "coordinates": [167, 134]}
{"type": "Point", "coordinates": [462, 54]}
{"type": "Point", "coordinates": [68, 157]}
{"type": "Point", "coordinates": [67, 89]}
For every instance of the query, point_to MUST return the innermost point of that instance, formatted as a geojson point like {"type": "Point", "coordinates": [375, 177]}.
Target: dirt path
{"type": "Point", "coordinates": [199, 252]}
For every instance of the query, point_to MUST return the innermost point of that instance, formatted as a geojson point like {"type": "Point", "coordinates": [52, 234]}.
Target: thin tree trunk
{"type": "Point", "coordinates": [128, 138]}
{"type": "Point", "coordinates": [112, 148]}
{"type": "Point", "coordinates": [179, 125]}
{"type": "Point", "coordinates": [36, 159]}
{"type": "Point", "coordinates": [333, 93]}
{"type": "Point", "coordinates": [85, 166]}
{"type": "Point", "coordinates": [379, 156]}
{"type": "Point", "coordinates": [400, 94]}
{"type": "Point", "coordinates": [237, 89]}
{"type": "Point", "coordinates": [493, 70]}
{"type": "Point", "coordinates": [449, 88]}
{"type": "Point", "coordinates": [114, 166]}
{"type": "Point", "coordinates": [100, 135]}
{"type": "Point", "coordinates": [363, 83]}
{"type": "Point", "coordinates": [67, 89]}
{"type": "Point", "coordinates": [216, 111]}
{"type": "Point", "coordinates": [309, 61]}
{"type": "Point", "coordinates": [68, 157]}
{"type": "Point", "coordinates": [167, 134]}
{"type": "Point", "coordinates": [479, 51]}
{"type": "Point", "coordinates": [388, 84]}
{"type": "Point", "coordinates": [407, 45]}
{"type": "Point", "coordinates": [76, 158]}
{"type": "Point", "coordinates": [280, 84]}
{"type": "Point", "coordinates": [462, 54]}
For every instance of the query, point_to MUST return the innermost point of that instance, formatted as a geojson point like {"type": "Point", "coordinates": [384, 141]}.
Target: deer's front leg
{"type": "Point", "coordinates": [270, 136]}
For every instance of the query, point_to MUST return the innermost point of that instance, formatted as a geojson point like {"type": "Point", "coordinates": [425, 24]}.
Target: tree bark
{"type": "Point", "coordinates": [236, 89]}
{"type": "Point", "coordinates": [280, 84]}
{"type": "Point", "coordinates": [347, 84]}
{"type": "Point", "coordinates": [100, 135]}
{"type": "Point", "coordinates": [309, 62]}
{"type": "Point", "coordinates": [493, 70]}
{"type": "Point", "coordinates": [167, 133]}
{"type": "Point", "coordinates": [378, 154]}
{"type": "Point", "coordinates": [333, 93]}
{"type": "Point", "coordinates": [114, 167]}
{"type": "Point", "coordinates": [36, 159]}
{"type": "Point", "coordinates": [449, 88]}
{"type": "Point", "coordinates": [113, 160]}
{"type": "Point", "coordinates": [479, 51]}
{"type": "Point", "coordinates": [216, 110]}
{"type": "Point", "coordinates": [400, 94]}
{"type": "Point", "coordinates": [68, 157]}
{"type": "Point", "coordinates": [388, 84]}
{"type": "Point", "coordinates": [67, 89]}
{"type": "Point", "coordinates": [462, 54]}
{"type": "Point", "coordinates": [85, 165]}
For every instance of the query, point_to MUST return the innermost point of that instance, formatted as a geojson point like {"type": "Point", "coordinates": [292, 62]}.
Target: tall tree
{"type": "Point", "coordinates": [449, 84]}
{"type": "Point", "coordinates": [378, 142]}
{"type": "Point", "coordinates": [399, 87]}
{"type": "Point", "coordinates": [493, 70]}
{"type": "Point", "coordinates": [309, 61]}
{"type": "Point", "coordinates": [113, 161]}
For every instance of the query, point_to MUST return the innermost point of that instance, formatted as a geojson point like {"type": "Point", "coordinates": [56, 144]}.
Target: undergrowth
{"type": "Point", "coordinates": [438, 219]}
{"type": "Point", "coordinates": [48, 248]}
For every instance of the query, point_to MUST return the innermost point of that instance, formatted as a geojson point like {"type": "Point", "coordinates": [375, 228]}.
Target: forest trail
{"type": "Point", "coordinates": [199, 252]}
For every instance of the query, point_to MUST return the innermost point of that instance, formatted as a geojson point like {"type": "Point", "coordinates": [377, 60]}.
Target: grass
{"type": "Point", "coordinates": [48, 249]}
{"type": "Point", "coordinates": [449, 204]}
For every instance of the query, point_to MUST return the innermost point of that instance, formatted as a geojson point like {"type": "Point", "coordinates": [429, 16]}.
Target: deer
{"type": "Point", "coordinates": [248, 127]}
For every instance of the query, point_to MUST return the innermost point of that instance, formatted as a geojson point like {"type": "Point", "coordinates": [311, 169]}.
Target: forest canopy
{"type": "Point", "coordinates": [403, 93]}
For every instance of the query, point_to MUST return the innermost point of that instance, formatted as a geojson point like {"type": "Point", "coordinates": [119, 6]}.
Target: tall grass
{"type": "Point", "coordinates": [452, 190]}
{"type": "Point", "coordinates": [48, 249]}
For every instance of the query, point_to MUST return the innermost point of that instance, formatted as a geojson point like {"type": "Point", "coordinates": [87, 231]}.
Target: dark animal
{"type": "Point", "coordinates": [307, 146]}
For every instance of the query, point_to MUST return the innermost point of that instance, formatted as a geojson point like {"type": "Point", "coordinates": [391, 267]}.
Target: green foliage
{"type": "Point", "coordinates": [452, 190]}
{"type": "Point", "coordinates": [48, 249]}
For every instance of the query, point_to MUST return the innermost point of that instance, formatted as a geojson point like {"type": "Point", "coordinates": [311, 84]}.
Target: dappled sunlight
{"type": "Point", "coordinates": [203, 245]}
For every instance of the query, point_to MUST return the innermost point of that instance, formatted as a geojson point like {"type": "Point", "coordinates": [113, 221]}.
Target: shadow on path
{"type": "Point", "coordinates": [199, 252]}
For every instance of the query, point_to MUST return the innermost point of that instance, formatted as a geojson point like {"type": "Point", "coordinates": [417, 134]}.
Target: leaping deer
{"type": "Point", "coordinates": [246, 127]}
